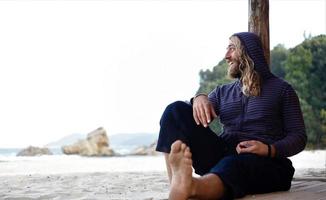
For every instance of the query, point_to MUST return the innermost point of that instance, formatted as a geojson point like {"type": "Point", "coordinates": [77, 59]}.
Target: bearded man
{"type": "Point", "coordinates": [262, 126]}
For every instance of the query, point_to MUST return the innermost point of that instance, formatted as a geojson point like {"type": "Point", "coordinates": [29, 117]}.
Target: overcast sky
{"type": "Point", "coordinates": [73, 66]}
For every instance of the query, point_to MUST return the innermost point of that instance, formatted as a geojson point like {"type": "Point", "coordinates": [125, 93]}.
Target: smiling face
{"type": "Point", "coordinates": [232, 58]}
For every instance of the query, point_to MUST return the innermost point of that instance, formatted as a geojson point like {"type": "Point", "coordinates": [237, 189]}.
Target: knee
{"type": "Point", "coordinates": [177, 106]}
{"type": "Point", "coordinates": [176, 110]}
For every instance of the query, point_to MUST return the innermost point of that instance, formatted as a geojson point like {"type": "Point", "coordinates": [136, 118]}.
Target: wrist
{"type": "Point", "coordinates": [197, 95]}
{"type": "Point", "coordinates": [273, 151]}
{"type": "Point", "coordinates": [200, 94]}
{"type": "Point", "coordinates": [269, 150]}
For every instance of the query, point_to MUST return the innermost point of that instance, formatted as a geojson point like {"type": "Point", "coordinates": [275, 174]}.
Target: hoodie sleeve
{"type": "Point", "coordinates": [293, 125]}
{"type": "Point", "coordinates": [214, 98]}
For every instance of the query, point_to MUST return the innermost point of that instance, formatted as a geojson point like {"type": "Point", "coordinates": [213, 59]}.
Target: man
{"type": "Point", "coordinates": [262, 126]}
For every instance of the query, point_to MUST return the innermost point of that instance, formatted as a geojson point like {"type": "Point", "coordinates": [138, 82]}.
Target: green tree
{"type": "Point", "coordinates": [297, 68]}
{"type": "Point", "coordinates": [209, 79]}
{"type": "Point", "coordinates": [305, 69]}
{"type": "Point", "coordinates": [317, 71]}
{"type": "Point", "coordinates": [278, 57]}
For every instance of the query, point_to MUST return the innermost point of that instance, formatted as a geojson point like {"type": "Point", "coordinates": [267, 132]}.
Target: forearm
{"type": "Point", "coordinates": [289, 145]}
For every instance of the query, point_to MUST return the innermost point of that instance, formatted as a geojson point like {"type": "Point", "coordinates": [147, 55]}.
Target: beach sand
{"type": "Point", "coordinates": [120, 178]}
{"type": "Point", "coordinates": [117, 185]}
{"type": "Point", "coordinates": [123, 186]}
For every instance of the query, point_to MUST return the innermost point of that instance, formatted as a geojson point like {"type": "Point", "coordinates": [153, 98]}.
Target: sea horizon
{"type": "Point", "coordinates": [13, 151]}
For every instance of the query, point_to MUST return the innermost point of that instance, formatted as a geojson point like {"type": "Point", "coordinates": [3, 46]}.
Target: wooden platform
{"type": "Point", "coordinates": [302, 189]}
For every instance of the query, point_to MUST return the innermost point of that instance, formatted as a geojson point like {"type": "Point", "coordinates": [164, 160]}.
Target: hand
{"type": "Point", "coordinates": [252, 146]}
{"type": "Point", "coordinates": [203, 110]}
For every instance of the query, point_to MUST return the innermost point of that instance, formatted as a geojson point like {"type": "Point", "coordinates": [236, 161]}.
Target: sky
{"type": "Point", "coordinates": [73, 66]}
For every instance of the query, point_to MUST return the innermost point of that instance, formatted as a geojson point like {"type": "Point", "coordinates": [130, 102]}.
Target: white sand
{"type": "Point", "coordinates": [79, 178]}
{"type": "Point", "coordinates": [118, 185]}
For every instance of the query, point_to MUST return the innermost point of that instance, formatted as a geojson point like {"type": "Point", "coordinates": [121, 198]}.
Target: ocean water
{"type": "Point", "coordinates": [9, 151]}
{"type": "Point", "coordinates": [120, 149]}
{"type": "Point", "coordinates": [307, 163]}
{"type": "Point", "coordinates": [13, 151]}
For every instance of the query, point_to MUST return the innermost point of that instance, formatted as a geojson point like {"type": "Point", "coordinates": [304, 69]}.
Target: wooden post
{"type": "Point", "coordinates": [258, 23]}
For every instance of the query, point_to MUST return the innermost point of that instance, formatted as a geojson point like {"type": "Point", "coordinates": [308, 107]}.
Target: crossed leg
{"type": "Point", "coordinates": [183, 185]}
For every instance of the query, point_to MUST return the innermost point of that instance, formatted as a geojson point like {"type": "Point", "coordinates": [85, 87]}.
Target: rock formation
{"type": "Point", "coordinates": [34, 151]}
{"type": "Point", "coordinates": [146, 150]}
{"type": "Point", "coordinates": [96, 144]}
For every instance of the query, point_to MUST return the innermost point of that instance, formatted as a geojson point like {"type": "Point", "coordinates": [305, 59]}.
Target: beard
{"type": "Point", "coordinates": [234, 71]}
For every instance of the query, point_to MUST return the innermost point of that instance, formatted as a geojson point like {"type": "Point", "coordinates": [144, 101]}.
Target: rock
{"type": "Point", "coordinates": [34, 151]}
{"type": "Point", "coordinates": [146, 150]}
{"type": "Point", "coordinates": [96, 144]}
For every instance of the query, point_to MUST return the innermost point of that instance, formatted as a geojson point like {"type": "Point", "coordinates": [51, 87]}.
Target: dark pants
{"type": "Point", "coordinates": [241, 173]}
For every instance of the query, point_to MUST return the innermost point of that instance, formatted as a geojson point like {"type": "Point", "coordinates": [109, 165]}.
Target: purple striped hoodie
{"type": "Point", "coordinates": [274, 117]}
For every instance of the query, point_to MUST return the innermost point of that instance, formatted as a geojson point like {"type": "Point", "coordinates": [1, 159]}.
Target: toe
{"type": "Point", "coordinates": [176, 146]}
{"type": "Point", "coordinates": [187, 153]}
{"type": "Point", "coordinates": [183, 147]}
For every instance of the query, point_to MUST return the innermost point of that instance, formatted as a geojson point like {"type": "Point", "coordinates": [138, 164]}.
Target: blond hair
{"type": "Point", "coordinates": [250, 79]}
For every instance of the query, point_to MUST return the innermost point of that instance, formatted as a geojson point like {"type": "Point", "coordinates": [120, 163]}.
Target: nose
{"type": "Point", "coordinates": [227, 55]}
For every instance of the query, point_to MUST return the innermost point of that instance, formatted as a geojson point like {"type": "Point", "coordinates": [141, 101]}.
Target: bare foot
{"type": "Point", "coordinates": [181, 166]}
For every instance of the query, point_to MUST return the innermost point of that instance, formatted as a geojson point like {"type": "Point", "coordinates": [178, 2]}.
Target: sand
{"type": "Point", "coordinates": [120, 186]}
{"type": "Point", "coordinates": [119, 178]}
{"type": "Point", "coordinates": [117, 185]}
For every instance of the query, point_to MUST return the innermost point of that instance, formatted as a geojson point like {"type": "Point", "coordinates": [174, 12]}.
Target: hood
{"type": "Point", "coordinates": [255, 51]}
